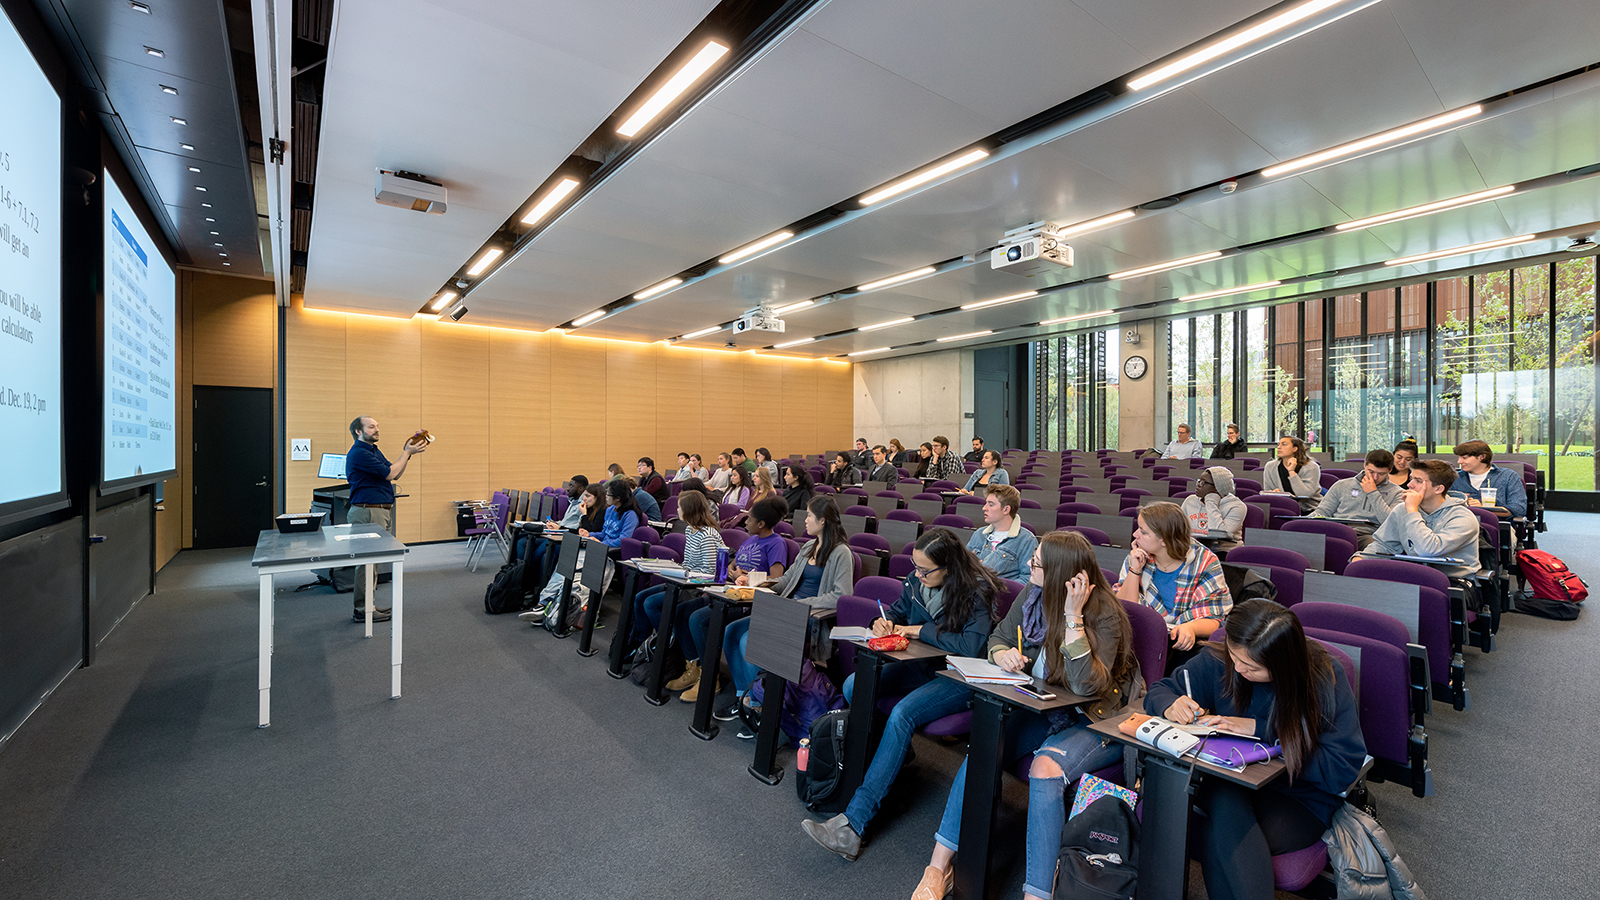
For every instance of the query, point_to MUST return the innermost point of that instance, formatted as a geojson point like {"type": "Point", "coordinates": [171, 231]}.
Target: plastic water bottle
{"type": "Point", "coordinates": [802, 757]}
{"type": "Point", "coordinates": [722, 565]}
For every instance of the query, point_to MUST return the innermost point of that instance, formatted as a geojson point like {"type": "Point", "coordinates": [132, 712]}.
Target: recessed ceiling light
{"type": "Point", "coordinates": [183, 146]}
{"type": "Point", "coordinates": [209, 219]}
{"type": "Point", "coordinates": [1439, 206]}
{"type": "Point", "coordinates": [214, 232]}
{"type": "Point", "coordinates": [757, 247]}
{"type": "Point", "coordinates": [702, 332]}
{"type": "Point", "coordinates": [138, 7]}
{"type": "Point", "coordinates": [896, 279]}
{"type": "Point", "coordinates": [588, 317]}
{"type": "Point", "coordinates": [206, 205]}
{"type": "Point", "coordinates": [1227, 291]}
{"type": "Point", "coordinates": [1233, 42]}
{"type": "Point", "coordinates": [443, 300]}
{"type": "Point", "coordinates": [485, 261]}
{"type": "Point", "coordinates": [200, 188]}
{"type": "Point", "coordinates": [178, 121]}
{"type": "Point", "coordinates": [793, 343]}
{"type": "Point", "coordinates": [865, 352]}
{"type": "Point", "coordinates": [999, 300]}
{"type": "Point", "coordinates": [1377, 140]}
{"type": "Point", "coordinates": [227, 263]}
{"type": "Point", "coordinates": [555, 195]}
{"type": "Point", "coordinates": [1461, 251]}
{"type": "Point", "coordinates": [215, 244]}
{"type": "Point", "coordinates": [1077, 317]}
{"type": "Point", "coordinates": [794, 307]}
{"type": "Point", "coordinates": [676, 85]}
{"type": "Point", "coordinates": [886, 324]}
{"type": "Point", "coordinates": [169, 89]}
{"type": "Point", "coordinates": [653, 290]}
{"type": "Point", "coordinates": [925, 176]}
{"type": "Point", "coordinates": [1093, 224]}
{"type": "Point", "coordinates": [1162, 267]}
{"type": "Point", "coordinates": [962, 337]}
{"type": "Point", "coordinates": [194, 168]}
{"type": "Point", "coordinates": [158, 54]}
{"type": "Point", "coordinates": [222, 254]}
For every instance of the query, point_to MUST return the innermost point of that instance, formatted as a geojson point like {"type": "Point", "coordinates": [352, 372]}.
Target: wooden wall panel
{"type": "Point", "coordinates": [234, 331]}
{"type": "Point", "coordinates": [314, 397]}
{"type": "Point", "coordinates": [797, 428]}
{"type": "Point", "coordinates": [836, 407]}
{"type": "Point", "coordinates": [455, 408]}
{"type": "Point", "coordinates": [577, 407]}
{"type": "Point", "coordinates": [679, 408]}
{"type": "Point", "coordinates": [383, 379]}
{"type": "Point", "coordinates": [722, 405]}
{"type": "Point", "coordinates": [763, 407]}
{"type": "Point", "coordinates": [630, 407]}
{"type": "Point", "coordinates": [519, 411]}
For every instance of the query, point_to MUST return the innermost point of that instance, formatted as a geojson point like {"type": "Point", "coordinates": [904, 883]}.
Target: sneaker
{"type": "Point", "coordinates": [728, 711]}
{"type": "Point", "coordinates": [535, 615]}
{"type": "Point", "coordinates": [746, 733]}
{"type": "Point", "coordinates": [692, 695]}
{"type": "Point", "coordinates": [689, 678]}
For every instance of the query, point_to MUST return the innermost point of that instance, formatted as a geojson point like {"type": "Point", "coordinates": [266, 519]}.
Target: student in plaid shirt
{"type": "Point", "coordinates": [1176, 576]}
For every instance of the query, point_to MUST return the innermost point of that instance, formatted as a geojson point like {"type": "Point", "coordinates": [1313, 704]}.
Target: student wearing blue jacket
{"type": "Point", "coordinates": [622, 516]}
{"type": "Point", "coordinates": [1476, 460]}
{"type": "Point", "coordinates": [1002, 544]}
{"type": "Point", "coordinates": [1266, 679]}
{"type": "Point", "coordinates": [948, 601]}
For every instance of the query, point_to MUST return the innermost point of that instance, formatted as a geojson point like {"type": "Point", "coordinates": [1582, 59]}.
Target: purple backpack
{"type": "Point", "coordinates": [803, 702]}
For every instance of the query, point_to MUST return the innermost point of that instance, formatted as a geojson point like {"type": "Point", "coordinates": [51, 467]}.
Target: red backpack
{"type": "Point", "coordinates": [1549, 577]}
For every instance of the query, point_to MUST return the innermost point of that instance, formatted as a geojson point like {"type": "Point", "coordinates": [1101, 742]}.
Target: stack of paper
{"type": "Point", "coordinates": [981, 671]}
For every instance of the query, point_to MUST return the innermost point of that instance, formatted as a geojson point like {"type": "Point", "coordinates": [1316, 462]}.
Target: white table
{"type": "Point", "coordinates": [367, 546]}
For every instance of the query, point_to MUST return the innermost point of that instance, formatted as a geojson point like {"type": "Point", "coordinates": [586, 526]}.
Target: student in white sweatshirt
{"type": "Point", "coordinates": [1214, 510]}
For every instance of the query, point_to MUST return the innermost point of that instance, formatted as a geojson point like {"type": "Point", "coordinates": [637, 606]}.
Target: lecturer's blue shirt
{"type": "Point", "coordinates": [367, 470]}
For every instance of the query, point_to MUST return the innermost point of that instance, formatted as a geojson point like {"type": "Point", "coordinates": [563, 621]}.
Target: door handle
{"type": "Point", "coordinates": [261, 484]}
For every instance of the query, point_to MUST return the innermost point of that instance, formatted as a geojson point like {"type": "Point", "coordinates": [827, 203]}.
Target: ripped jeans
{"type": "Point", "coordinates": [1076, 750]}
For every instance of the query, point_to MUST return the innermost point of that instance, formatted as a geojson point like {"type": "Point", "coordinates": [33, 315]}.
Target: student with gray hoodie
{"type": "Point", "coordinates": [1427, 522]}
{"type": "Point", "coordinates": [1367, 497]}
{"type": "Point", "coordinates": [1214, 510]}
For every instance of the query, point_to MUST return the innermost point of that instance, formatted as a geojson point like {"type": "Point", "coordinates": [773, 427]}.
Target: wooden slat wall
{"type": "Point", "coordinates": [515, 409]}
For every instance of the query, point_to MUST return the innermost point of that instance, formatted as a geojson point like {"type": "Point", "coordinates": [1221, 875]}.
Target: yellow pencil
{"type": "Point", "coordinates": [1019, 638]}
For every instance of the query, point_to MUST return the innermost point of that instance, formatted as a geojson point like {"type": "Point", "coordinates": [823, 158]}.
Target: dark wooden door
{"type": "Point", "coordinates": [232, 465]}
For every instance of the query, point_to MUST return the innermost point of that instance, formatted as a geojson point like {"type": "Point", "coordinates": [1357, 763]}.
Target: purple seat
{"type": "Point", "coordinates": [1073, 507]}
{"type": "Point", "coordinates": [675, 540]}
{"type": "Point", "coordinates": [1030, 504]}
{"type": "Point", "coordinates": [901, 565]}
{"type": "Point", "coordinates": [669, 509]}
{"type": "Point", "coordinates": [1441, 620]}
{"type": "Point", "coordinates": [1251, 464]}
{"type": "Point", "coordinates": [943, 486]}
{"type": "Point", "coordinates": [950, 520]}
{"type": "Point", "coordinates": [853, 611]}
{"type": "Point", "coordinates": [929, 495]}
{"type": "Point", "coordinates": [784, 528]}
{"type": "Point", "coordinates": [1178, 482]}
{"type": "Point", "coordinates": [865, 512]}
{"type": "Point", "coordinates": [1002, 603]}
{"type": "Point", "coordinates": [955, 507]}
{"type": "Point", "coordinates": [630, 549]}
{"type": "Point", "coordinates": [825, 489]}
{"type": "Point", "coordinates": [1341, 540]}
{"type": "Point", "coordinates": [726, 511]}
{"type": "Point", "coordinates": [1132, 493]}
{"type": "Point", "coordinates": [1031, 486]}
{"type": "Point", "coordinates": [871, 543]}
{"type": "Point", "coordinates": [791, 548]}
{"type": "Point", "coordinates": [1150, 640]}
{"type": "Point", "coordinates": [1342, 473]}
{"type": "Point", "coordinates": [1279, 504]}
{"type": "Point", "coordinates": [878, 589]}
{"type": "Point", "coordinates": [1255, 516]}
{"type": "Point", "coordinates": [895, 495]}
{"type": "Point", "coordinates": [855, 491]}
{"type": "Point", "coordinates": [1391, 711]}
{"type": "Point", "coordinates": [733, 537]}
{"type": "Point", "coordinates": [904, 515]}
{"type": "Point", "coordinates": [646, 534]}
{"type": "Point", "coordinates": [1092, 535]}
{"type": "Point", "coordinates": [1353, 620]}
{"type": "Point", "coordinates": [1329, 479]}
{"type": "Point", "coordinates": [1290, 583]}
{"type": "Point", "coordinates": [1251, 483]}
{"type": "Point", "coordinates": [1268, 556]}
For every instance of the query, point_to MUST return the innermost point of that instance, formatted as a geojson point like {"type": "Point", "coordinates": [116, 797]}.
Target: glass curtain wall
{"type": "Point", "coordinates": [1075, 391]}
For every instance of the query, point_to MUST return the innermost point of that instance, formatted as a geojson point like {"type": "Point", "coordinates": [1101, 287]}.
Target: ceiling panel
{"type": "Point", "coordinates": [1351, 248]}
{"type": "Point", "coordinates": [1563, 207]}
{"type": "Point", "coordinates": [1432, 169]}
{"type": "Point", "coordinates": [1288, 206]}
{"type": "Point", "coordinates": [1157, 28]}
{"type": "Point", "coordinates": [1560, 134]}
{"type": "Point", "coordinates": [1526, 42]}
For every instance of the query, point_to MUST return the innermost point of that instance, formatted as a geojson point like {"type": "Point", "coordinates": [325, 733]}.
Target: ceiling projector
{"type": "Point", "coordinates": [1030, 250]}
{"type": "Point", "coordinates": [408, 190]}
{"type": "Point", "coordinates": [760, 319]}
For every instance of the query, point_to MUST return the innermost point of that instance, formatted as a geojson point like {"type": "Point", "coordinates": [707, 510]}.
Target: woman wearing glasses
{"type": "Point", "coordinates": [1075, 634]}
{"type": "Point", "coordinates": [947, 601]}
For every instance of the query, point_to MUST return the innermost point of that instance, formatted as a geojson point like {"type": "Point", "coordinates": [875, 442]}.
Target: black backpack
{"type": "Point", "coordinates": [1244, 584]}
{"type": "Point", "coordinates": [504, 594]}
{"type": "Point", "coordinates": [818, 786]}
{"type": "Point", "coordinates": [1099, 853]}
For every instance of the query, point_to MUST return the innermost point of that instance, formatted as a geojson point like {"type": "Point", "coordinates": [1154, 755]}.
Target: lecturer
{"type": "Point", "coordinates": [372, 480]}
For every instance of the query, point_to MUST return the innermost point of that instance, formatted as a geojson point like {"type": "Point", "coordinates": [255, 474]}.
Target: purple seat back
{"type": "Point", "coordinates": [870, 542]}
{"type": "Point", "coordinates": [1382, 688]}
{"type": "Point", "coordinates": [1255, 516]}
{"type": "Point", "coordinates": [662, 551]}
{"type": "Point", "coordinates": [1354, 620]}
{"type": "Point", "coordinates": [1030, 504]}
{"type": "Point", "coordinates": [854, 611]}
{"type": "Point", "coordinates": [825, 489]}
{"type": "Point", "coordinates": [901, 565]}
{"type": "Point", "coordinates": [669, 509]}
{"type": "Point", "coordinates": [1002, 603]}
{"type": "Point", "coordinates": [733, 537]}
{"type": "Point", "coordinates": [1290, 583]}
{"type": "Point", "coordinates": [631, 549]}
{"type": "Point", "coordinates": [677, 541]}
{"type": "Point", "coordinates": [1150, 642]}
{"type": "Point", "coordinates": [1092, 535]}
{"type": "Point", "coordinates": [865, 512]}
{"type": "Point", "coordinates": [1401, 571]}
{"type": "Point", "coordinates": [1268, 556]}
{"type": "Point", "coordinates": [943, 485]}
{"type": "Point", "coordinates": [784, 528]}
{"type": "Point", "coordinates": [879, 589]}
{"type": "Point", "coordinates": [929, 495]}
{"type": "Point", "coordinates": [965, 500]}
{"type": "Point", "coordinates": [1280, 504]}
{"type": "Point", "coordinates": [953, 521]}
{"type": "Point", "coordinates": [1250, 483]}
{"type": "Point", "coordinates": [726, 511]}
{"type": "Point", "coordinates": [646, 534]}
{"type": "Point", "coordinates": [791, 549]}
{"type": "Point", "coordinates": [904, 515]}
{"type": "Point", "coordinates": [1319, 526]}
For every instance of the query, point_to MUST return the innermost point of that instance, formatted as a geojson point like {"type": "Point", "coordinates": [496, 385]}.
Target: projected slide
{"type": "Point", "coordinates": [30, 278]}
{"type": "Point", "coordinates": [140, 337]}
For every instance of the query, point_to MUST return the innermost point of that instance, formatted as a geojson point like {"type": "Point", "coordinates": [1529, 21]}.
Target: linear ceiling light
{"type": "Point", "coordinates": [1233, 42]}
{"type": "Point", "coordinates": [1092, 224]}
{"type": "Point", "coordinates": [999, 300]}
{"type": "Point", "coordinates": [548, 202]}
{"type": "Point", "coordinates": [795, 307]}
{"type": "Point", "coordinates": [1377, 140]}
{"type": "Point", "coordinates": [865, 352]}
{"type": "Point", "coordinates": [1079, 316]}
{"type": "Point", "coordinates": [962, 337]}
{"type": "Point", "coordinates": [895, 279]}
{"type": "Point", "coordinates": [485, 261]}
{"type": "Point", "coordinates": [702, 332]}
{"type": "Point", "coordinates": [649, 292]}
{"type": "Point", "coordinates": [1227, 291]}
{"type": "Point", "coordinates": [886, 324]}
{"type": "Point", "coordinates": [793, 343]}
{"type": "Point", "coordinates": [1162, 267]}
{"type": "Point", "coordinates": [676, 85]}
{"type": "Point", "coordinates": [1439, 206]}
{"type": "Point", "coordinates": [757, 247]}
{"type": "Point", "coordinates": [925, 176]}
{"type": "Point", "coordinates": [445, 299]}
{"type": "Point", "coordinates": [1461, 251]}
{"type": "Point", "coordinates": [586, 318]}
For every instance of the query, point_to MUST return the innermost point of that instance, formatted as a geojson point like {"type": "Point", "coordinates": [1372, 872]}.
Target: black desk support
{"type": "Point", "coordinates": [765, 767]}
{"type": "Point", "coordinates": [982, 798]}
{"type": "Point", "coordinates": [619, 641]}
{"type": "Point", "coordinates": [701, 726]}
{"type": "Point", "coordinates": [655, 688]}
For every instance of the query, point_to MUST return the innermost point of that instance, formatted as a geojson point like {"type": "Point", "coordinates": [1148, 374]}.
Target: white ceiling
{"type": "Point", "coordinates": [868, 90]}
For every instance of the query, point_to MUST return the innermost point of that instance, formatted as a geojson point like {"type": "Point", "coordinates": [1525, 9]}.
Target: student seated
{"type": "Point", "coordinates": [1232, 448]}
{"type": "Point", "coordinates": [1368, 496]}
{"type": "Point", "coordinates": [1293, 472]}
{"type": "Point", "coordinates": [1428, 522]}
{"type": "Point", "coordinates": [881, 469]}
{"type": "Point", "coordinates": [569, 520]}
{"type": "Point", "coordinates": [948, 602]}
{"type": "Point", "coordinates": [1175, 575]}
{"type": "Point", "coordinates": [621, 515]}
{"type": "Point", "coordinates": [987, 473]}
{"type": "Point", "coordinates": [842, 473]}
{"type": "Point", "coordinates": [649, 509]}
{"type": "Point", "coordinates": [760, 558]}
{"type": "Point", "coordinates": [899, 455]}
{"type": "Point", "coordinates": [976, 454]}
{"type": "Point", "coordinates": [1478, 472]}
{"type": "Point", "coordinates": [798, 488]}
{"type": "Point", "coordinates": [740, 461]}
{"type": "Point", "coordinates": [702, 540]}
{"type": "Point", "coordinates": [591, 507]}
{"type": "Point", "coordinates": [719, 479]}
{"type": "Point", "coordinates": [924, 461]}
{"type": "Point", "coordinates": [862, 457]}
{"type": "Point", "coordinates": [943, 463]}
{"type": "Point", "coordinates": [764, 461]}
{"type": "Point", "coordinates": [1214, 510]}
{"type": "Point", "coordinates": [698, 467]}
{"type": "Point", "coordinates": [738, 492]}
{"type": "Point", "coordinates": [1404, 453]}
{"type": "Point", "coordinates": [822, 573]}
{"type": "Point", "coordinates": [1268, 680]}
{"type": "Point", "coordinates": [1075, 635]}
{"type": "Point", "coordinates": [651, 482]}
{"type": "Point", "coordinates": [1185, 447]}
{"type": "Point", "coordinates": [1002, 544]}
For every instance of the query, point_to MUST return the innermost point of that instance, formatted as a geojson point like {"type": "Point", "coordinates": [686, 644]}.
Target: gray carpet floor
{"type": "Point", "coordinates": [514, 768]}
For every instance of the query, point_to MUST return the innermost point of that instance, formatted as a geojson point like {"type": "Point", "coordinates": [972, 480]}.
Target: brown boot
{"type": "Point", "coordinates": [936, 884]}
{"type": "Point", "coordinates": [691, 675]}
{"type": "Point", "coordinates": [693, 693]}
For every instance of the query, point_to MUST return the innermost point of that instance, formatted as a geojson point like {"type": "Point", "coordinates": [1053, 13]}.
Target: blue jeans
{"type": "Point", "coordinates": [734, 641]}
{"type": "Point", "coordinates": [929, 699]}
{"type": "Point", "coordinates": [647, 610]}
{"type": "Point", "coordinates": [689, 640]}
{"type": "Point", "coordinates": [1076, 750]}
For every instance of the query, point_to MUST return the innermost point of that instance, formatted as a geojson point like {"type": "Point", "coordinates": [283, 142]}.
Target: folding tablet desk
{"type": "Point", "coordinates": [363, 545]}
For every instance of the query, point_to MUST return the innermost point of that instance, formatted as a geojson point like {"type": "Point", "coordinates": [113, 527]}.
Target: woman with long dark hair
{"type": "Point", "coordinates": [1293, 471]}
{"type": "Point", "coordinates": [899, 455]}
{"type": "Point", "coordinates": [622, 516]}
{"type": "Point", "coordinates": [1269, 680]}
{"type": "Point", "coordinates": [798, 488]}
{"type": "Point", "coordinates": [947, 601]}
{"type": "Point", "coordinates": [1075, 634]}
{"type": "Point", "coordinates": [924, 460]}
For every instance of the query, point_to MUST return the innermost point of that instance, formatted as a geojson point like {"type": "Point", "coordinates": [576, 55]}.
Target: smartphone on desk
{"type": "Point", "coordinates": [1029, 690]}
